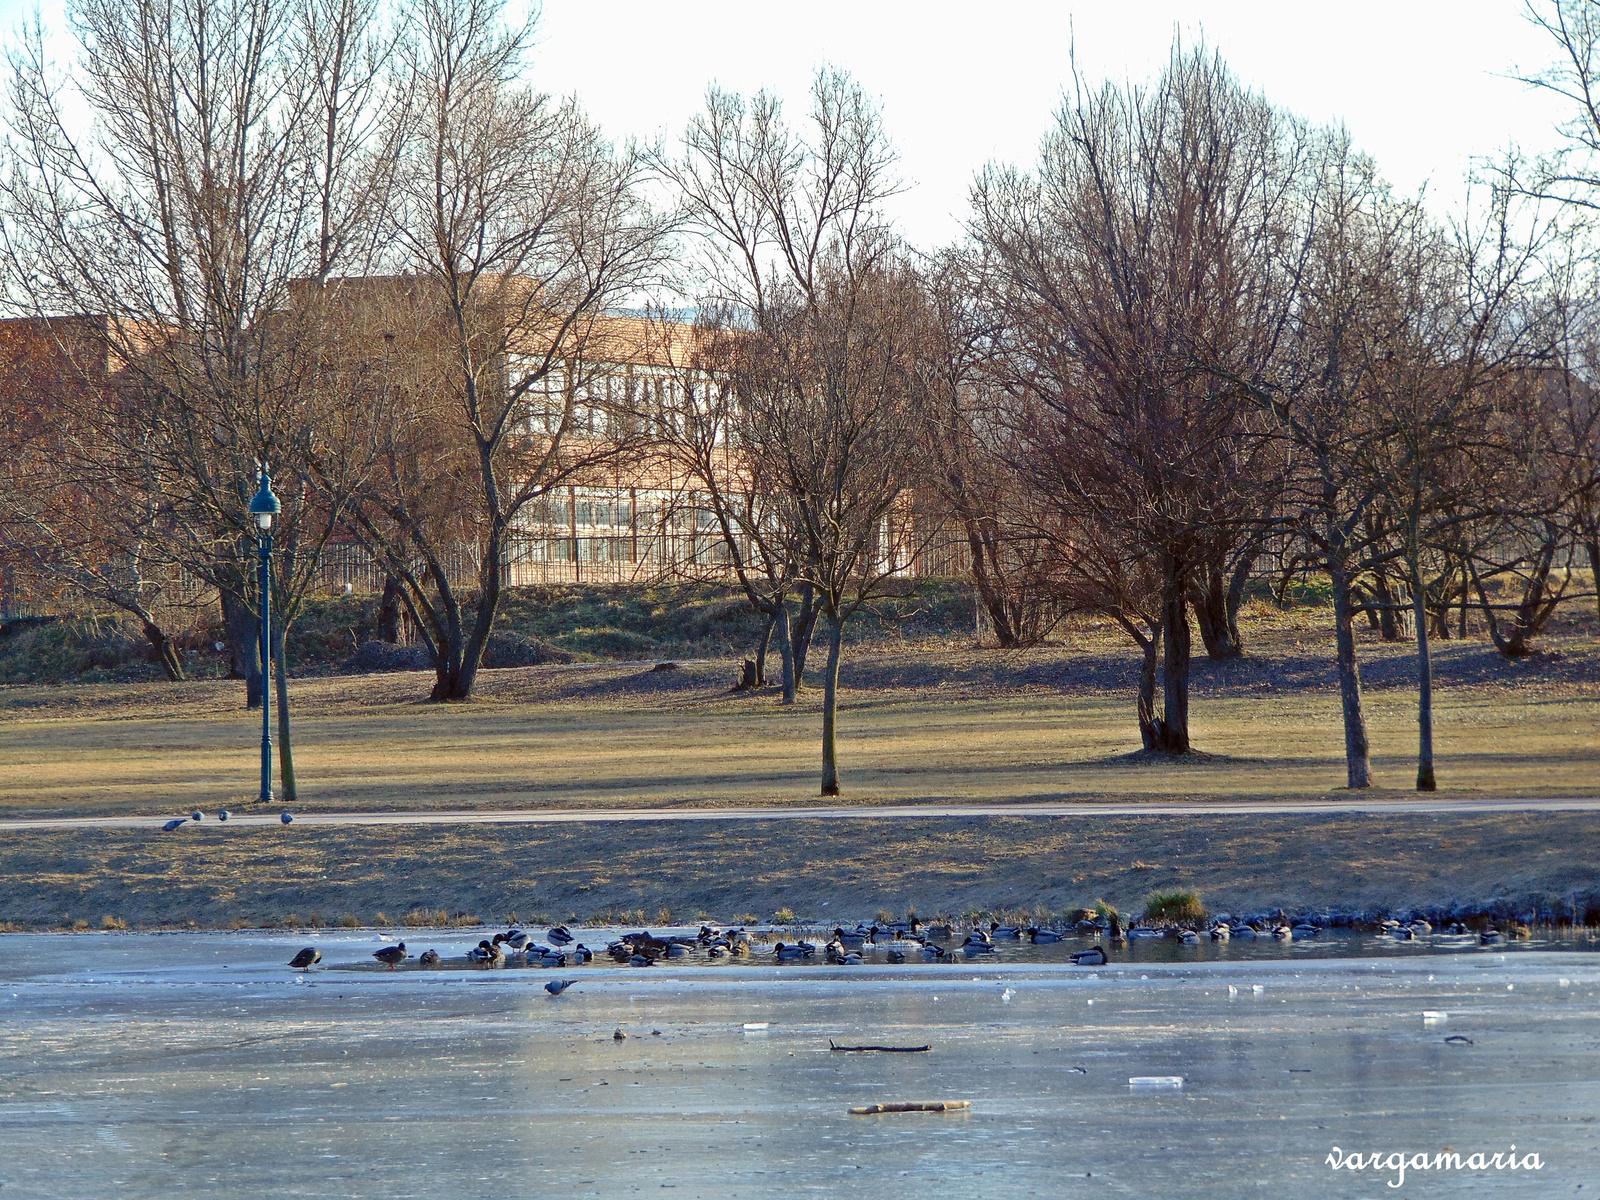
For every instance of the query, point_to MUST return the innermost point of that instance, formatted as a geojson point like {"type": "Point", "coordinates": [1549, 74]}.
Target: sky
{"type": "Point", "coordinates": [1424, 86]}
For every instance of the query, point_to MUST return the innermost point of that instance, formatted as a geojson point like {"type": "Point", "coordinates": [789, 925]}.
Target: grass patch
{"type": "Point", "coordinates": [1174, 908]}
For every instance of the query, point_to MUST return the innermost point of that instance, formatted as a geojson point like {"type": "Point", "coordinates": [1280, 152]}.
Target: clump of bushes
{"type": "Point", "coordinates": [784, 916]}
{"type": "Point", "coordinates": [1174, 908]}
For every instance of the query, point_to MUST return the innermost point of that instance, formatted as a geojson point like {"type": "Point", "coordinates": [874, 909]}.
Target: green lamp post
{"type": "Point", "coordinates": [264, 508]}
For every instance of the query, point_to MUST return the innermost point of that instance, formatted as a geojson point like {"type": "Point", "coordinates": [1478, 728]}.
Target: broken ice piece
{"type": "Point", "coordinates": [1155, 1081]}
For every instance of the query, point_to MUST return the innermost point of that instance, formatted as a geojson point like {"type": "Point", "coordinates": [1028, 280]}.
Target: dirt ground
{"type": "Point", "coordinates": [939, 723]}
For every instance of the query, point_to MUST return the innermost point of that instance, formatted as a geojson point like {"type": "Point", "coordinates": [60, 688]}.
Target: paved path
{"type": "Point", "coordinates": [878, 812]}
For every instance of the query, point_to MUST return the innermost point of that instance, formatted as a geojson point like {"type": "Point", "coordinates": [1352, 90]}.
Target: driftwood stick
{"type": "Point", "coordinates": [879, 1049]}
{"type": "Point", "coordinates": [867, 1110]}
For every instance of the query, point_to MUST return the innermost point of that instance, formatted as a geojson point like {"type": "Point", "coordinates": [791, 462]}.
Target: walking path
{"type": "Point", "coordinates": [871, 812]}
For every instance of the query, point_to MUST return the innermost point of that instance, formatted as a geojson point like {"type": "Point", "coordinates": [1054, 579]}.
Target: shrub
{"type": "Point", "coordinates": [110, 922]}
{"type": "Point", "coordinates": [1106, 912]}
{"type": "Point", "coordinates": [1174, 907]}
{"type": "Point", "coordinates": [784, 916]}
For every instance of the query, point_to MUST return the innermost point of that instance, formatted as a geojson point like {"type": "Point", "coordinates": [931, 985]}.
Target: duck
{"type": "Point", "coordinates": [1241, 930]}
{"type": "Point", "coordinates": [717, 951]}
{"type": "Point", "coordinates": [1421, 927]}
{"type": "Point", "coordinates": [1043, 937]}
{"type": "Point", "coordinates": [560, 935]}
{"type": "Point", "coordinates": [1283, 933]}
{"type": "Point", "coordinates": [708, 935]}
{"type": "Point", "coordinates": [852, 940]}
{"type": "Point", "coordinates": [641, 960]}
{"type": "Point", "coordinates": [740, 949]}
{"type": "Point", "coordinates": [516, 939]}
{"type": "Point", "coordinates": [785, 953]}
{"type": "Point", "coordinates": [1305, 930]}
{"type": "Point", "coordinates": [940, 929]}
{"type": "Point", "coordinates": [581, 954]}
{"type": "Point", "coordinates": [1189, 937]}
{"type": "Point", "coordinates": [1457, 929]}
{"type": "Point", "coordinates": [306, 959]}
{"type": "Point", "coordinates": [1491, 937]}
{"type": "Point", "coordinates": [429, 958]}
{"type": "Point", "coordinates": [896, 956]}
{"type": "Point", "coordinates": [971, 947]}
{"type": "Point", "coordinates": [484, 951]}
{"type": "Point", "coordinates": [935, 953]}
{"type": "Point", "coordinates": [550, 958]}
{"type": "Point", "coordinates": [1006, 931]}
{"type": "Point", "coordinates": [677, 950]}
{"type": "Point", "coordinates": [852, 959]}
{"type": "Point", "coordinates": [1220, 933]}
{"type": "Point", "coordinates": [1402, 933]}
{"type": "Point", "coordinates": [393, 955]}
{"type": "Point", "coordinates": [833, 952]}
{"type": "Point", "coordinates": [979, 937]}
{"type": "Point", "coordinates": [1094, 956]}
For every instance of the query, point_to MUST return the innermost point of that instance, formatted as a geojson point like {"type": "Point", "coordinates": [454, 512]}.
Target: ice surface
{"type": "Point", "coordinates": [198, 1064]}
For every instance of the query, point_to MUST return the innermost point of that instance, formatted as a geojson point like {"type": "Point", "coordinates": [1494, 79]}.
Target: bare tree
{"type": "Point", "coordinates": [793, 239]}
{"type": "Point", "coordinates": [522, 226]}
{"type": "Point", "coordinates": [1149, 242]}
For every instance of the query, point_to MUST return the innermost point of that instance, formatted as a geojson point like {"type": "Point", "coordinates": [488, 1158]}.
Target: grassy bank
{"type": "Point", "coordinates": [1526, 866]}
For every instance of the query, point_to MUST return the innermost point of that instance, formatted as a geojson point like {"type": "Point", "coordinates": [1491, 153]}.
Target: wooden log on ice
{"type": "Point", "coordinates": [878, 1049]}
{"type": "Point", "coordinates": [867, 1110]}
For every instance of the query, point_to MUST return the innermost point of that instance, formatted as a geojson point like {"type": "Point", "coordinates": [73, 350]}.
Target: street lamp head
{"type": "Point", "coordinates": [264, 506]}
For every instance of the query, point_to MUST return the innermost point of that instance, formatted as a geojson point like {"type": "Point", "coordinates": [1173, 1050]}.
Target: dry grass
{"type": "Point", "coordinates": [1054, 723]}
{"type": "Point", "coordinates": [285, 877]}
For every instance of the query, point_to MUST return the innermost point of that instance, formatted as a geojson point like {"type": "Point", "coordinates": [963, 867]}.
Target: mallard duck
{"type": "Point", "coordinates": [517, 940]}
{"type": "Point", "coordinates": [1220, 933]}
{"type": "Point", "coordinates": [481, 952]}
{"type": "Point", "coordinates": [971, 947]}
{"type": "Point", "coordinates": [940, 930]}
{"type": "Point", "coordinates": [560, 935]}
{"type": "Point", "coordinates": [1402, 933]}
{"type": "Point", "coordinates": [1241, 930]}
{"type": "Point", "coordinates": [1491, 937]}
{"type": "Point", "coordinates": [1421, 927]}
{"type": "Point", "coordinates": [1189, 937]}
{"type": "Point", "coordinates": [677, 950]}
{"type": "Point", "coordinates": [1042, 937]}
{"type": "Point", "coordinates": [641, 960]}
{"type": "Point", "coordinates": [429, 958]}
{"type": "Point", "coordinates": [393, 955]}
{"type": "Point", "coordinates": [851, 940]}
{"type": "Point", "coordinates": [935, 953]}
{"type": "Point", "coordinates": [1305, 930]}
{"type": "Point", "coordinates": [1006, 931]}
{"type": "Point", "coordinates": [833, 952]}
{"type": "Point", "coordinates": [1283, 933]}
{"type": "Point", "coordinates": [852, 959]}
{"type": "Point", "coordinates": [552, 959]}
{"type": "Point", "coordinates": [785, 953]}
{"type": "Point", "coordinates": [581, 954]}
{"type": "Point", "coordinates": [896, 956]}
{"type": "Point", "coordinates": [1092, 957]}
{"type": "Point", "coordinates": [306, 959]}
{"type": "Point", "coordinates": [717, 951]}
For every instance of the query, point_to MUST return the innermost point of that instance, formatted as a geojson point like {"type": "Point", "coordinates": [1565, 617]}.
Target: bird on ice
{"type": "Point", "coordinates": [306, 959]}
{"type": "Point", "coordinates": [393, 955]}
{"type": "Point", "coordinates": [556, 986]}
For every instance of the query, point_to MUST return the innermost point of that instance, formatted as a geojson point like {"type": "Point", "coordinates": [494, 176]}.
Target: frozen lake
{"type": "Point", "coordinates": [140, 1065]}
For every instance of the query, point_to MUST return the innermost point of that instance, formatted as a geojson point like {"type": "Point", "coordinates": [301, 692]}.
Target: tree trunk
{"type": "Point", "coordinates": [280, 667]}
{"type": "Point", "coordinates": [830, 710]}
{"type": "Point", "coordinates": [1357, 749]}
{"type": "Point", "coordinates": [389, 612]}
{"type": "Point", "coordinates": [990, 592]}
{"type": "Point", "coordinates": [1237, 582]}
{"type": "Point", "coordinates": [1211, 611]}
{"type": "Point", "coordinates": [1150, 645]}
{"type": "Point", "coordinates": [785, 633]}
{"type": "Point", "coordinates": [1425, 777]}
{"type": "Point", "coordinates": [166, 653]}
{"type": "Point", "coordinates": [243, 629]}
{"type": "Point", "coordinates": [761, 648]}
{"type": "Point", "coordinates": [1592, 545]}
{"type": "Point", "coordinates": [1388, 621]}
{"type": "Point", "coordinates": [801, 631]}
{"type": "Point", "coordinates": [1174, 737]}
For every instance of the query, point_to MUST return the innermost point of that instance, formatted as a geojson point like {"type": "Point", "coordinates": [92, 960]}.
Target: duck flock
{"type": "Point", "coordinates": [896, 941]}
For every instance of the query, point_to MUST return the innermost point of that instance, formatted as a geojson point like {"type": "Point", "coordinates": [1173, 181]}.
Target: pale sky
{"type": "Point", "coordinates": [1423, 85]}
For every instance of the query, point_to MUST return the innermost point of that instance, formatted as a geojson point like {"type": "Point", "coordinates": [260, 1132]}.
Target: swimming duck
{"type": "Point", "coordinates": [784, 953]}
{"type": "Point", "coordinates": [482, 952]}
{"type": "Point", "coordinates": [941, 930]}
{"type": "Point", "coordinates": [971, 947]}
{"type": "Point", "coordinates": [852, 940]}
{"type": "Point", "coordinates": [833, 952]}
{"type": "Point", "coordinates": [560, 935]}
{"type": "Point", "coordinates": [979, 937]}
{"type": "Point", "coordinates": [1092, 957]}
{"type": "Point", "coordinates": [429, 958]}
{"type": "Point", "coordinates": [717, 951]}
{"type": "Point", "coordinates": [306, 959]}
{"type": "Point", "coordinates": [935, 953]}
{"type": "Point", "coordinates": [1241, 930]}
{"type": "Point", "coordinates": [741, 949]}
{"type": "Point", "coordinates": [852, 959]}
{"type": "Point", "coordinates": [1220, 933]}
{"type": "Point", "coordinates": [1402, 933]}
{"type": "Point", "coordinates": [1491, 937]}
{"type": "Point", "coordinates": [1189, 937]}
{"type": "Point", "coordinates": [1283, 933]}
{"type": "Point", "coordinates": [896, 956]}
{"type": "Point", "coordinates": [393, 955]}
{"type": "Point", "coordinates": [1006, 931]}
{"type": "Point", "coordinates": [1421, 927]}
{"type": "Point", "coordinates": [1305, 930]}
{"type": "Point", "coordinates": [1043, 937]}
